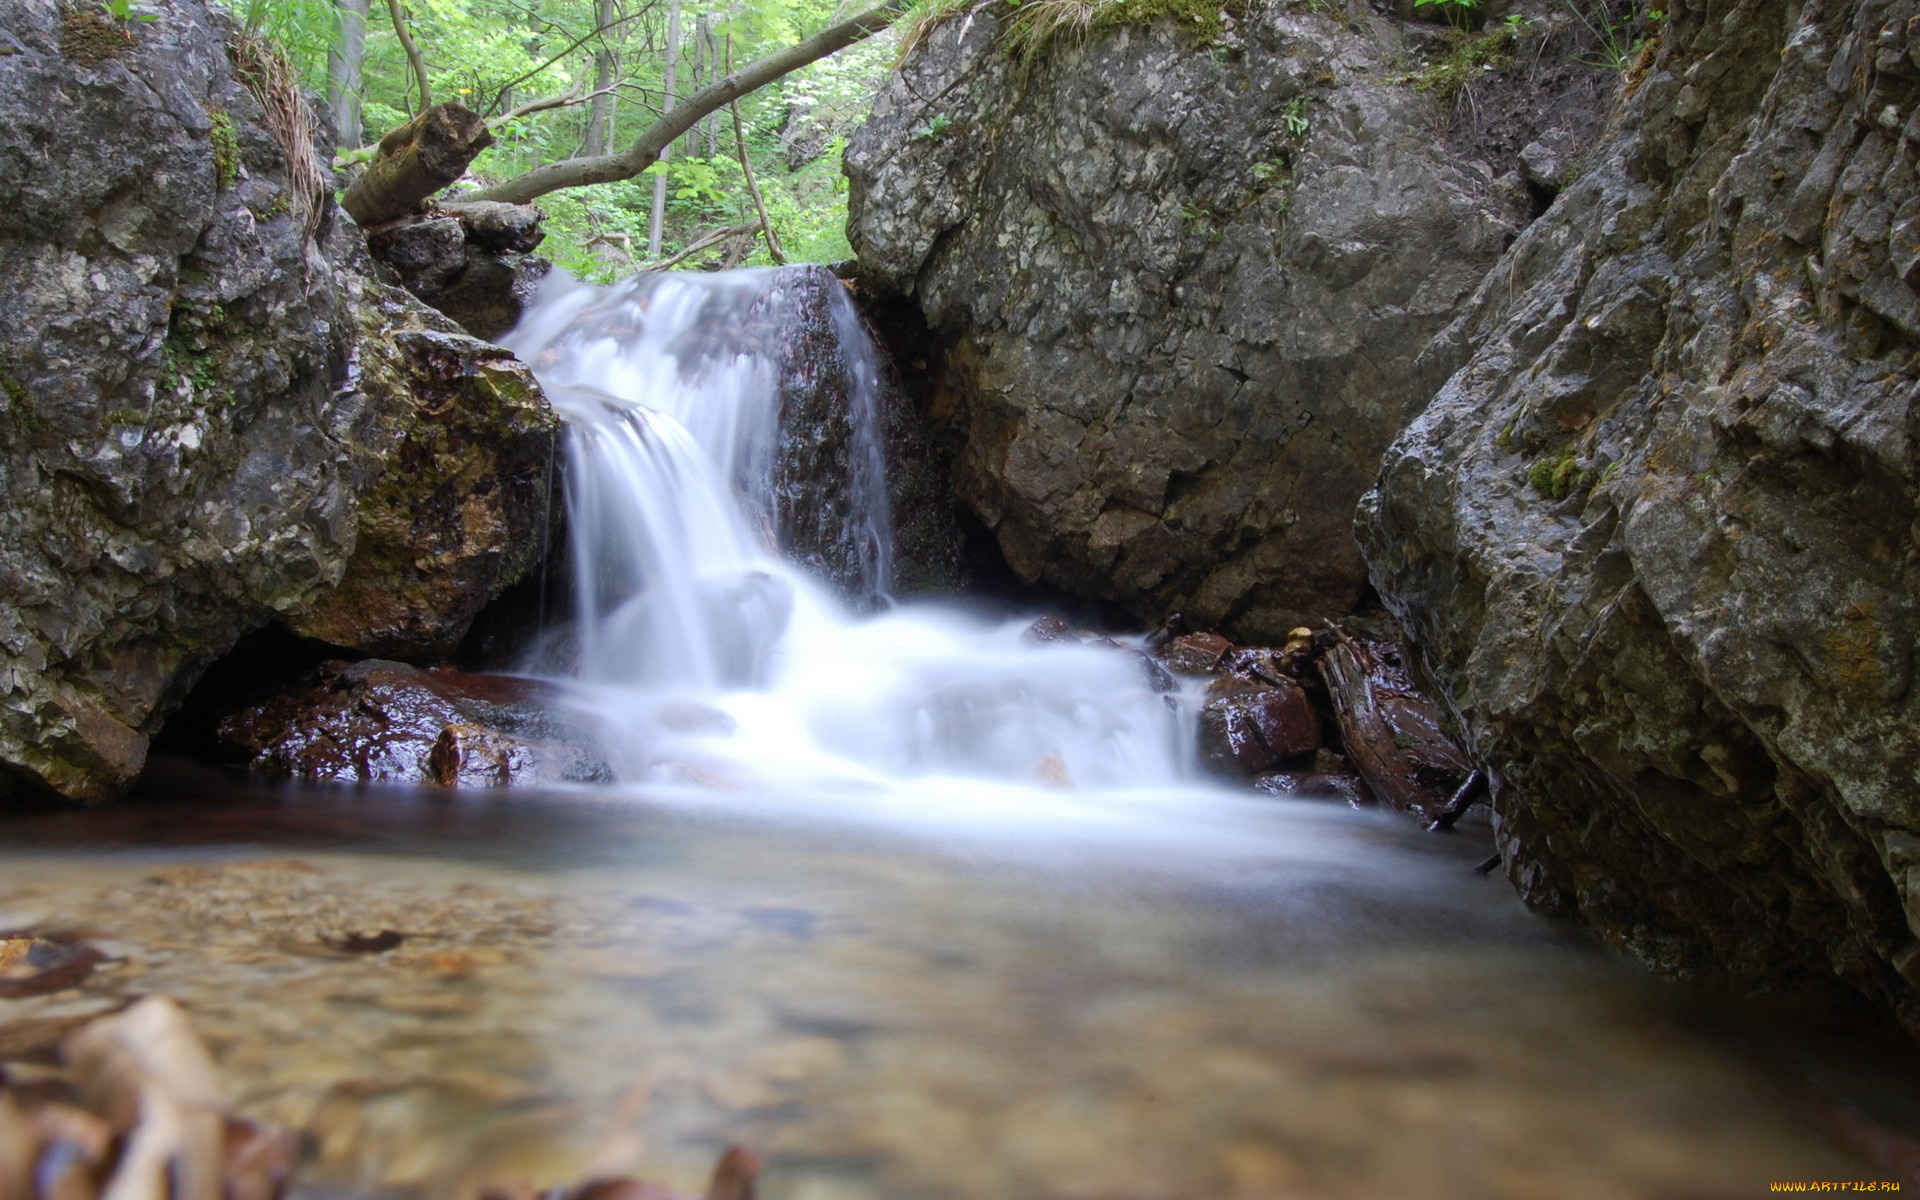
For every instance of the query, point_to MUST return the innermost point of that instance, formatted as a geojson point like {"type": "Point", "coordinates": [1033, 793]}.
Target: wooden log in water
{"type": "Point", "coordinates": [1391, 732]}
{"type": "Point", "coordinates": [416, 160]}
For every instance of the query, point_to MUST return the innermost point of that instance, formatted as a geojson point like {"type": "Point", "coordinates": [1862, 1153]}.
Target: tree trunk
{"type": "Point", "coordinates": [658, 222]}
{"type": "Point", "coordinates": [709, 54]}
{"type": "Point", "coordinates": [344, 59]}
{"type": "Point", "coordinates": [415, 161]}
{"type": "Point", "coordinates": [599, 137]}
{"type": "Point", "coordinates": [647, 149]}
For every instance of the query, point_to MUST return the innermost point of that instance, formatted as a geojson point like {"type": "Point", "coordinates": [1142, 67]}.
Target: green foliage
{"type": "Point", "coordinates": [1455, 11]}
{"type": "Point", "coordinates": [1614, 42]}
{"type": "Point", "coordinates": [496, 55]}
{"type": "Point", "coordinates": [1295, 118]}
{"type": "Point", "coordinates": [123, 10]}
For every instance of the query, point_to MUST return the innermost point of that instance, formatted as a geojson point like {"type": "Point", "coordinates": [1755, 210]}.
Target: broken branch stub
{"type": "Point", "coordinates": [416, 160]}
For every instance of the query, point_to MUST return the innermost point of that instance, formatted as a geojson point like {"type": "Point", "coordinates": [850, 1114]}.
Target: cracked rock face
{"type": "Point", "coordinates": [191, 408]}
{"type": "Point", "coordinates": [1180, 289]}
{"type": "Point", "coordinates": [1654, 540]}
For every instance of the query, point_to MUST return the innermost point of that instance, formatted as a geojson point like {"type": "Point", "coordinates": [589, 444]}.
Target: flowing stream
{"type": "Point", "coordinates": [845, 908]}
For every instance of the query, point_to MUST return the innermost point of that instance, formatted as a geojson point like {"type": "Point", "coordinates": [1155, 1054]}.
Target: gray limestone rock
{"type": "Point", "coordinates": [1654, 540]}
{"type": "Point", "coordinates": [192, 397]}
{"type": "Point", "coordinates": [1180, 288]}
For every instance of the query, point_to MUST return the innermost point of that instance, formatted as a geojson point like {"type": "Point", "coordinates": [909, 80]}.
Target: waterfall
{"type": "Point", "coordinates": [731, 543]}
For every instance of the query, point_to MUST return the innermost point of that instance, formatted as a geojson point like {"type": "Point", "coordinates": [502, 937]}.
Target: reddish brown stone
{"type": "Point", "coordinates": [1245, 728]}
{"type": "Point", "coordinates": [386, 722]}
{"type": "Point", "coordinates": [1315, 785]}
{"type": "Point", "coordinates": [1196, 653]}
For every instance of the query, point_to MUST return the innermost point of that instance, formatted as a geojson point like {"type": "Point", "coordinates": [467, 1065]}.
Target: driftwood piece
{"type": "Point", "coordinates": [1392, 733]}
{"type": "Point", "coordinates": [416, 160]}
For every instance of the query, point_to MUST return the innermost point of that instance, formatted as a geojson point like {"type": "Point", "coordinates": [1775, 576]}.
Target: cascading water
{"type": "Point", "coordinates": [710, 645]}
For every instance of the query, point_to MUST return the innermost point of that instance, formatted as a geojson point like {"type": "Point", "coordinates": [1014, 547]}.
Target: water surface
{"type": "Point", "coordinates": [1196, 996]}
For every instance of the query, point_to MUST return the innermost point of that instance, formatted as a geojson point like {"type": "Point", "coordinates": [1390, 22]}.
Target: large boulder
{"type": "Point", "coordinates": [196, 391]}
{"type": "Point", "coordinates": [1654, 540]}
{"type": "Point", "coordinates": [1179, 283]}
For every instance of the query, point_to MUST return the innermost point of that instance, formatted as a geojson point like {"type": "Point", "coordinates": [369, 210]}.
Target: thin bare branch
{"type": "Point", "coordinates": [413, 56]}
{"type": "Point", "coordinates": [645, 151]}
{"type": "Point", "coordinates": [746, 168]}
{"type": "Point", "coordinates": [704, 243]}
{"type": "Point", "coordinates": [571, 98]}
{"type": "Point", "coordinates": [575, 44]}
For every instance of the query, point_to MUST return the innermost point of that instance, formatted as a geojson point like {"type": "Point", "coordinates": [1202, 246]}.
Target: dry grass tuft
{"type": "Point", "coordinates": [266, 74]}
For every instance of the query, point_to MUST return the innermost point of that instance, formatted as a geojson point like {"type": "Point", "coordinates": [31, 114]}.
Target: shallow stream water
{"type": "Point", "coordinates": [1186, 995]}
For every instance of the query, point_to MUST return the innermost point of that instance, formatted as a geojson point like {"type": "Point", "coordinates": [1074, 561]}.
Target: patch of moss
{"type": "Point", "coordinates": [1504, 439]}
{"type": "Point", "coordinates": [1037, 24]}
{"type": "Point", "coordinates": [88, 36]}
{"type": "Point", "coordinates": [20, 403]}
{"type": "Point", "coordinates": [1203, 17]}
{"type": "Point", "coordinates": [1557, 476]}
{"type": "Point", "coordinates": [1466, 58]}
{"type": "Point", "coordinates": [226, 149]}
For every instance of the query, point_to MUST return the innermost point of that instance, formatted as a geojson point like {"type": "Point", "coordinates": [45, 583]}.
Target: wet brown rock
{"type": "Point", "coordinates": [476, 756]}
{"type": "Point", "coordinates": [386, 722]}
{"type": "Point", "coordinates": [1049, 629]}
{"type": "Point", "coordinates": [1246, 728]}
{"type": "Point", "coordinates": [1195, 653]}
{"type": "Point", "coordinates": [1316, 785]}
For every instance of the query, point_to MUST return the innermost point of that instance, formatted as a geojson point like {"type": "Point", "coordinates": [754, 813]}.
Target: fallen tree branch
{"type": "Point", "coordinates": [415, 161]}
{"type": "Point", "coordinates": [646, 150]}
{"type": "Point", "coordinates": [706, 242]}
{"type": "Point", "coordinates": [569, 97]}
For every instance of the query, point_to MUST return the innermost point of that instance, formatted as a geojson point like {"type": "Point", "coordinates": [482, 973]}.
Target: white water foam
{"type": "Point", "coordinates": [709, 658]}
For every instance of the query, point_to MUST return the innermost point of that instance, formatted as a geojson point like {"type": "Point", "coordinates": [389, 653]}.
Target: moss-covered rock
{"type": "Point", "coordinates": [463, 494]}
{"type": "Point", "coordinates": [194, 419]}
